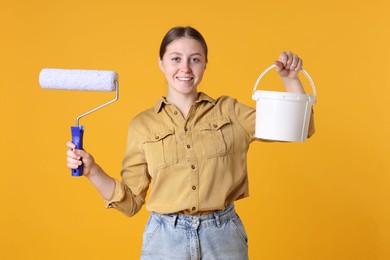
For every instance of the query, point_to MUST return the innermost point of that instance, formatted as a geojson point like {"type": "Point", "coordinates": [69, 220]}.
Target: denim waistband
{"type": "Point", "coordinates": [188, 221]}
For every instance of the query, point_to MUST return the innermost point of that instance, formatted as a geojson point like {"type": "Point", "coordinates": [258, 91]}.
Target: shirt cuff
{"type": "Point", "coordinates": [118, 195]}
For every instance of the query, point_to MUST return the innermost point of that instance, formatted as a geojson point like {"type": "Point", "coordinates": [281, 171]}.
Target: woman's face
{"type": "Point", "coordinates": [183, 64]}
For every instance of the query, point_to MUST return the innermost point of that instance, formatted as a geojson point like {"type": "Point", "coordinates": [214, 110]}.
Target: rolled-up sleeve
{"type": "Point", "coordinates": [246, 117]}
{"type": "Point", "coordinates": [118, 195]}
{"type": "Point", "coordinates": [130, 192]}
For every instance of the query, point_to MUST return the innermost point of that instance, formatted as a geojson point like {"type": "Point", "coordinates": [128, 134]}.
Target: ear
{"type": "Point", "coordinates": [161, 65]}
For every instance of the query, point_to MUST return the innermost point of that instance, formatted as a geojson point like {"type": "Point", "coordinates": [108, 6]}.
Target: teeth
{"type": "Point", "coordinates": [184, 78]}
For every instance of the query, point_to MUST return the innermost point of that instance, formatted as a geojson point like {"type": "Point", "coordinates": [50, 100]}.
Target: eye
{"type": "Point", "coordinates": [195, 60]}
{"type": "Point", "coordinates": [176, 59]}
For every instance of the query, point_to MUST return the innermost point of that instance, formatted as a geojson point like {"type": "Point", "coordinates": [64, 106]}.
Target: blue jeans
{"type": "Point", "coordinates": [220, 235]}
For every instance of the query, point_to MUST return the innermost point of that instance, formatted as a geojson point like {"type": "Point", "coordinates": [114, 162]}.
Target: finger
{"type": "Point", "coordinates": [279, 66]}
{"type": "Point", "coordinates": [73, 166]}
{"type": "Point", "coordinates": [294, 62]}
{"type": "Point", "coordinates": [283, 58]}
{"type": "Point", "coordinates": [72, 163]}
{"type": "Point", "coordinates": [73, 159]}
{"type": "Point", "coordinates": [300, 65]}
{"type": "Point", "coordinates": [71, 154]}
{"type": "Point", "coordinates": [85, 157]}
{"type": "Point", "coordinates": [70, 145]}
{"type": "Point", "coordinates": [289, 60]}
{"type": "Point", "coordinates": [81, 153]}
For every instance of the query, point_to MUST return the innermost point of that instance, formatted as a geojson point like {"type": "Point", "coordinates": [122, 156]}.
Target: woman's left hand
{"type": "Point", "coordinates": [288, 65]}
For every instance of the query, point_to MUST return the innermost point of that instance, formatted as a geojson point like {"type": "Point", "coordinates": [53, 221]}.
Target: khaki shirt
{"type": "Point", "coordinates": [194, 165]}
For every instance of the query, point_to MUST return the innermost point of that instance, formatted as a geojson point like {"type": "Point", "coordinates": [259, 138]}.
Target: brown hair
{"type": "Point", "coordinates": [178, 32]}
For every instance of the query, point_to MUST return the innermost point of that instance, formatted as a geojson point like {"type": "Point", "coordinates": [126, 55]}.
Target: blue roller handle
{"type": "Point", "coordinates": [77, 139]}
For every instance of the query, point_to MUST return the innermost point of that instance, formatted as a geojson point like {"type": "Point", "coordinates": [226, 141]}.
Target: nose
{"type": "Point", "coordinates": [186, 66]}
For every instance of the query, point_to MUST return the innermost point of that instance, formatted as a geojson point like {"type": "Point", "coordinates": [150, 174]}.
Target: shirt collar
{"type": "Point", "coordinates": [163, 101]}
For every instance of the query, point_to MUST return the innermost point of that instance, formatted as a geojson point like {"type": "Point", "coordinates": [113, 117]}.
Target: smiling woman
{"type": "Point", "coordinates": [192, 150]}
{"type": "Point", "coordinates": [183, 58]}
{"type": "Point", "coordinates": [183, 65]}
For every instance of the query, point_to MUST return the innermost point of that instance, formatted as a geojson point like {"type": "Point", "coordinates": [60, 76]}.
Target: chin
{"type": "Point", "coordinates": [186, 90]}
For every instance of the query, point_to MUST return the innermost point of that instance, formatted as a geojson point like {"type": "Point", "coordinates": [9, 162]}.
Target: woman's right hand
{"type": "Point", "coordinates": [80, 158]}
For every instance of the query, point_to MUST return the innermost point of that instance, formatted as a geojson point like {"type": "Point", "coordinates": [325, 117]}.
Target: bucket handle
{"type": "Point", "coordinates": [271, 67]}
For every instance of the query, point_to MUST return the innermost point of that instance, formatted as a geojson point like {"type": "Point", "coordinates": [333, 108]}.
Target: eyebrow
{"type": "Point", "coordinates": [178, 53]}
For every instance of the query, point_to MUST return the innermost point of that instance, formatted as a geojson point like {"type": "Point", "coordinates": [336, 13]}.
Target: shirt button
{"type": "Point", "coordinates": [175, 113]}
{"type": "Point", "coordinates": [185, 129]}
{"type": "Point", "coordinates": [193, 167]}
{"type": "Point", "coordinates": [193, 208]}
{"type": "Point", "coordinates": [157, 137]}
{"type": "Point", "coordinates": [215, 125]}
{"type": "Point", "coordinates": [194, 187]}
{"type": "Point", "coordinates": [188, 146]}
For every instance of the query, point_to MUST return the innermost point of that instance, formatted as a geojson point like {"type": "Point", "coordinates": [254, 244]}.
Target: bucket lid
{"type": "Point", "coordinates": [265, 94]}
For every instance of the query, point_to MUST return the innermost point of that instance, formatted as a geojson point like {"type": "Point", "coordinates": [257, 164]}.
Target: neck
{"type": "Point", "coordinates": [183, 102]}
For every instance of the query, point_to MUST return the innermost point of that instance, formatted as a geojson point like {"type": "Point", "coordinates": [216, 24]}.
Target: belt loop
{"type": "Point", "coordinates": [174, 220]}
{"type": "Point", "coordinates": [217, 221]}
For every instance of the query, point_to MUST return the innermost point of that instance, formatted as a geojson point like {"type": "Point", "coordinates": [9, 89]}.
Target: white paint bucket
{"type": "Point", "coordinates": [282, 116]}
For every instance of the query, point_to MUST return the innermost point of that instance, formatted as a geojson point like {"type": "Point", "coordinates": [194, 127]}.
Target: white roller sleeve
{"type": "Point", "coordinates": [75, 79]}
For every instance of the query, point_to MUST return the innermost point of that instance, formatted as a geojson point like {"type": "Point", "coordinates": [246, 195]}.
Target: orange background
{"type": "Point", "coordinates": [327, 198]}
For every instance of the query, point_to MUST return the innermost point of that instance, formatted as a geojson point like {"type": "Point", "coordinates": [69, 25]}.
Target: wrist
{"type": "Point", "coordinates": [293, 85]}
{"type": "Point", "coordinates": [94, 172]}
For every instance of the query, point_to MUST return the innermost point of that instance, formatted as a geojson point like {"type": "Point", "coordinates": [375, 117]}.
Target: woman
{"type": "Point", "coordinates": [192, 149]}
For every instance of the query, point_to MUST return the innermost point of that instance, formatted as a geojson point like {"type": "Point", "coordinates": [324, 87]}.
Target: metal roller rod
{"type": "Point", "coordinates": [101, 106]}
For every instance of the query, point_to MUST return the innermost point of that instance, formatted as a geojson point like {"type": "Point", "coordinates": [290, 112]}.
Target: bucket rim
{"type": "Point", "coordinates": [279, 95]}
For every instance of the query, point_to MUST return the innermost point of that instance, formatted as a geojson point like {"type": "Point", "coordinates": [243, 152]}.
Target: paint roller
{"type": "Point", "coordinates": [85, 80]}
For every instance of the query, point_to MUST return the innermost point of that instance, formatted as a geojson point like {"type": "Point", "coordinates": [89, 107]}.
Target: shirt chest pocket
{"type": "Point", "coordinates": [160, 150]}
{"type": "Point", "coordinates": [217, 137]}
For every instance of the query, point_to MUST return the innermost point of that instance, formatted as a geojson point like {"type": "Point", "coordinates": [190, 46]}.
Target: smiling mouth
{"type": "Point", "coordinates": [184, 78]}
